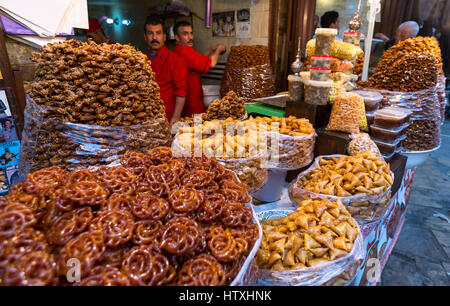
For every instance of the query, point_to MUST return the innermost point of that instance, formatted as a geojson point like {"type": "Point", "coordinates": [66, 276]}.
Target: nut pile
{"type": "Point", "coordinates": [98, 84]}
{"type": "Point", "coordinates": [317, 231]}
{"type": "Point", "coordinates": [362, 142]}
{"type": "Point", "coordinates": [153, 220]}
{"type": "Point", "coordinates": [248, 73]}
{"type": "Point", "coordinates": [345, 113]}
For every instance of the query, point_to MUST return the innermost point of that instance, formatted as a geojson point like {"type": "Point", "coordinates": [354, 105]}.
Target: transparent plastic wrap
{"type": "Point", "coordinates": [362, 142]}
{"type": "Point", "coordinates": [317, 92]}
{"type": "Point", "coordinates": [345, 114]}
{"type": "Point", "coordinates": [293, 152]}
{"type": "Point", "coordinates": [251, 170]}
{"type": "Point", "coordinates": [442, 96]}
{"type": "Point", "coordinates": [249, 83]}
{"type": "Point", "coordinates": [364, 207]}
{"type": "Point", "coordinates": [339, 49]}
{"type": "Point", "coordinates": [248, 274]}
{"type": "Point", "coordinates": [325, 273]}
{"type": "Point", "coordinates": [424, 131]}
{"type": "Point", "coordinates": [48, 142]}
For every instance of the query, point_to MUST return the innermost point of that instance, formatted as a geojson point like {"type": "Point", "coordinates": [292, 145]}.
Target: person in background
{"type": "Point", "coordinates": [197, 63]}
{"type": "Point", "coordinates": [330, 20]}
{"type": "Point", "coordinates": [95, 32]}
{"type": "Point", "coordinates": [408, 29]}
{"type": "Point", "coordinates": [170, 70]}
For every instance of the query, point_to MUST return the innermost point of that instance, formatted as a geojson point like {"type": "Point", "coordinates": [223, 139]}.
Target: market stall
{"type": "Point", "coordinates": [314, 195]}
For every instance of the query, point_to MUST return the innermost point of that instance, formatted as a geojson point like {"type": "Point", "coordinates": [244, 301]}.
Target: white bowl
{"type": "Point", "coordinates": [416, 158]}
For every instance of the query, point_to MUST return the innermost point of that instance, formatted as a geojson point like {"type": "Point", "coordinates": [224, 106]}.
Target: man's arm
{"type": "Point", "coordinates": [215, 57]}
{"type": "Point", "coordinates": [179, 104]}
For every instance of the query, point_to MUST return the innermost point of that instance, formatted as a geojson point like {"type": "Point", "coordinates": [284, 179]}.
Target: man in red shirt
{"type": "Point", "coordinates": [170, 70]}
{"type": "Point", "coordinates": [196, 63]}
{"type": "Point", "coordinates": [95, 32]}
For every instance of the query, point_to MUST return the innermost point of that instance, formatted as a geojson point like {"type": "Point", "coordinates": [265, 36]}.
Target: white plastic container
{"type": "Point", "coordinates": [210, 93]}
{"type": "Point", "coordinates": [273, 189]}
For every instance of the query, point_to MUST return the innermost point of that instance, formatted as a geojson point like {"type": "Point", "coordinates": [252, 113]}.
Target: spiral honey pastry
{"type": "Point", "coordinates": [118, 201]}
{"type": "Point", "coordinates": [198, 178]}
{"type": "Point", "coordinates": [185, 200]}
{"type": "Point", "coordinates": [117, 225]}
{"type": "Point", "coordinates": [211, 208]}
{"type": "Point", "coordinates": [118, 179]}
{"type": "Point", "coordinates": [155, 188]}
{"type": "Point", "coordinates": [225, 248]}
{"type": "Point", "coordinates": [177, 166]}
{"type": "Point", "coordinates": [136, 162]}
{"type": "Point", "coordinates": [222, 174]}
{"type": "Point", "coordinates": [180, 236]}
{"type": "Point", "coordinates": [15, 218]}
{"type": "Point", "coordinates": [147, 231]}
{"type": "Point", "coordinates": [24, 241]}
{"type": "Point", "coordinates": [232, 268]}
{"type": "Point", "coordinates": [17, 194]}
{"type": "Point", "coordinates": [236, 214]}
{"type": "Point", "coordinates": [69, 225]}
{"type": "Point", "coordinates": [211, 189]}
{"type": "Point", "coordinates": [86, 193]}
{"type": "Point", "coordinates": [250, 232]}
{"type": "Point", "coordinates": [80, 175]}
{"type": "Point", "coordinates": [145, 267]}
{"type": "Point", "coordinates": [112, 257]}
{"type": "Point", "coordinates": [36, 268]}
{"type": "Point", "coordinates": [235, 191]}
{"type": "Point", "coordinates": [106, 276]}
{"type": "Point", "coordinates": [160, 155]}
{"type": "Point", "coordinates": [148, 206]}
{"type": "Point", "coordinates": [57, 197]}
{"type": "Point", "coordinates": [87, 247]}
{"type": "Point", "coordinates": [200, 163]}
{"type": "Point", "coordinates": [162, 174]}
{"type": "Point", "coordinates": [44, 180]}
{"type": "Point", "coordinates": [203, 270]}
{"type": "Point", "coordinates": [52, 213]}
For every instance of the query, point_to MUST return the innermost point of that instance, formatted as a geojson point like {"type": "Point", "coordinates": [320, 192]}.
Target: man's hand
{"type": "Point", "coordinates": [221, 48]}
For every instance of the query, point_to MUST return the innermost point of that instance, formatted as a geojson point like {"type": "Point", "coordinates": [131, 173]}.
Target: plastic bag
{"type": "Point", "coordinates": [424, 131]}
{"type": "Point", "coordinates": [364, 208]}
{"type": "Point", "coordinates": [312, 276]}
{"type": "Point", "coordinates": [249, 83]}
{"type": "Point", "coordinates": [345, 114]}
{"type": "Point", "coordinates": [247, 275]}
{"type": "Point", "coordinates": [290, 152]}
{"type": "Point", "coordinates": [440, 86]}
{"type": "Point", "coordinates": [251, 171]}
{"type": "Point", "coordinates": [362, 142]}
{"type": "Point", "coordinates": [248, 73]}
{"type": "Point", "coordinates": [339, 49]}
{"type": "Point", "coordinates": [48, 142]}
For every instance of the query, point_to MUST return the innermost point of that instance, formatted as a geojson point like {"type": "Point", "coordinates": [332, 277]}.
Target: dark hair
{"type": "Point", "coordinates": [179, 24]}
{"type": "Point", "coordinates": [328, 18]}
{"type": "Point", "coordinates": [154, 21]}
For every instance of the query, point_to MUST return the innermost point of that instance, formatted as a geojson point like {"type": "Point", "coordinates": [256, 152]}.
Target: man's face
{"type": "Point", "coordinates": [185, 36]}
{"type": "Point", "coordinates": [96, 36]}
{"type": "Point", "coordinates": [7, 125]}
{"type": "Point", "coordinates": [335, 25]}
{"type": "Point", "coordinates": [155, 36]}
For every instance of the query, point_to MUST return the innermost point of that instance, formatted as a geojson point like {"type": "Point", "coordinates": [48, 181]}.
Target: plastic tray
{"type": "Point", "coordinates": [388, 148]}
{"type": "Point", "coordinates": [388, 135]}
{"type": "Point", "coordinates": [392, 117]}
